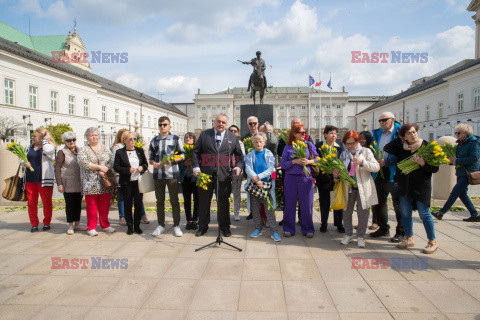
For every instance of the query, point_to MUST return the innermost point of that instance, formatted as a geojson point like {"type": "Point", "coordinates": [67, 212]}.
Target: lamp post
{"type": "Point", "coordinates": [28, 127]}
{"type": "Point", "coordinates": [476, 123]}
{"type": "Point", "coordinates": [435, 126]}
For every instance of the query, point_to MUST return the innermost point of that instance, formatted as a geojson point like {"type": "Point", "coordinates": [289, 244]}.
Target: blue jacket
{"type": "Point", "coordinates": [391, 160]}
{"type": "Point", "coordinates": [270, 159]}
{"type": "Point", "coordinates": [468, 153]}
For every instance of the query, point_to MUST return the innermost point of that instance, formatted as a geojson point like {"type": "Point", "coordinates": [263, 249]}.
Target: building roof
{"type": "Point", "coordinates": [42, 44]}
{"type": "Point", "coordinates": [434, 81]}
{"type": "Point", "coordinates": [106, 84]}
{"type": "Point", "coordinates": [272, 90]}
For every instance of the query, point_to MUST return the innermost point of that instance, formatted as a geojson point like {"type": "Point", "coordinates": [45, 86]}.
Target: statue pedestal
{"type": "Point", "coordinates": [445, 179]}
{"type": "Point", "coordinates": [264, 112]}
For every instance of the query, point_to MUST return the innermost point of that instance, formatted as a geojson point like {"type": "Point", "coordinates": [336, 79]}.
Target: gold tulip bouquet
{"type": "Point", "coordinates": [139, 144]}
{"type": "Point", "coordinates": [300, 149]}
{"type": "Point", "coordinates": [432, 153]}
{"type": "Point", "coordinates": [170, 159]}
{"type": "Point", "coordinates": [203, 180]}
{"type": "Point", "coordinates": [378, 155]}
{"type": "Point", "coordinates": [284, 135]}
{"type": "Point", "coordinates": [188, 150]}
{"type": "Point", "coordinates": [19, 151]}
{"type": "Point", "coordinates": [330, 162]}
{"type": "Point", "coordinates": [248, 144]}
{"type": "Point", "coordinates": [449, 149]}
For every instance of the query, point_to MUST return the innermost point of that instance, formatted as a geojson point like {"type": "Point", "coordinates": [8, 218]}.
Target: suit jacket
{"type": "Point", "coordinates": [122, 165]}
{"type": "Point", "coordinates": [229, 156]}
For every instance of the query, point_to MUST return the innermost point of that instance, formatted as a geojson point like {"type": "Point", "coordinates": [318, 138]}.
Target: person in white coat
{"type": "Point", "coordinates": [360, 163]}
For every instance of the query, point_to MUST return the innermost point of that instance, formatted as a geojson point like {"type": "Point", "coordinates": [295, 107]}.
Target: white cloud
{"type": "Point", "coordinates": [130, 80]}
{"type": "Point", "coordinates": [176, 87]}
{"type": "Point", "coordinates": [300, 25]}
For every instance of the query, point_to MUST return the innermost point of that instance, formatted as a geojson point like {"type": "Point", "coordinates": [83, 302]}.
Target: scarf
{"type": "Point", "coordinates": [349, 158]}
{"type": "Point", "coordinates": [412, 147]}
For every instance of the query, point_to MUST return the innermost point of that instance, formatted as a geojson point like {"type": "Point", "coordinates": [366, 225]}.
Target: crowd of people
{"type": "Point", "coordinates": [95, 171]}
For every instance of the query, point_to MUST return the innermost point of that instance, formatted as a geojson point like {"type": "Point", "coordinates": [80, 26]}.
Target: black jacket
{"type": "Point", "coordinates": [122, 165]}
{"type": "Point", "coordinates": [326, 181]}
{"type": "Point", "coordinates": [416, 185]}
{"type": "Point", "coordinates": [204, 155]}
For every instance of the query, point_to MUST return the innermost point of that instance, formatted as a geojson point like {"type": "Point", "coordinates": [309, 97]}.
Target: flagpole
{"type": "Point", "coordinates": [331, 106]}
{"type": "Point", "coordinates": [320, 102]}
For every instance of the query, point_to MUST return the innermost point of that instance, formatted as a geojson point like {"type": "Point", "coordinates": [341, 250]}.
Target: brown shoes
{"type": "Point", "coordinates": [431, 247]}
{"type": "Point", "coordinates": [406, 243]}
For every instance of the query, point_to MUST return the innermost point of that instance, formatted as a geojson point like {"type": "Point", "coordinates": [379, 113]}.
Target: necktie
{"type": "Point", "coordinates": [218, 138]}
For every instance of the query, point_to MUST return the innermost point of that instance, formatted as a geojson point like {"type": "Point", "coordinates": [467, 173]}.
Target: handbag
{"type": "Point", "coordinates": [314, 169]}
{"type": "Point", "coordinates": [145, 182]}
{"type": "Point", "coordinates": [258, 192]}
{"type": "Point", "coordinates": [14, 188]}
{"type": "Point", "coordinates": [339, 196]}
{"type": "Point", "coordinates": [473, 177]}
{"type": "Point", "coordinates": [108, 180]}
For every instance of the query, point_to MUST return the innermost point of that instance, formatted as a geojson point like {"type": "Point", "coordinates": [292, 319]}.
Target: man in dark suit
{"type": "Point", "coordinates": [217, 152]}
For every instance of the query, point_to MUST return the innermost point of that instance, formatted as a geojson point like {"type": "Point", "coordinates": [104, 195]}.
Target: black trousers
{"type": "Point", "coordinates": [325, 209]}
{"type": "Point", "coordinates": [380, 211]}
{"type": "Point", "coordinates": [223, 204]}
{"type": "Point", "coordinates": [132, 196]}
{"type": "Point", "coordinates": [189, 187]}
{"type": "Point", "coordinates": [73, 206]}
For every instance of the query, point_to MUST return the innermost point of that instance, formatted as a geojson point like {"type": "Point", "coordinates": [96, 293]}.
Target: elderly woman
{"type": "Point", "coordinates": [95, 160]}
{"type": "Point", "coordinates": [415, 188]}
{"type": "Point", "coordinates": [67, 174]}
{"type": "Point", "coordinates": [297, 185]}
{"type": "Point", "coordinates": [360, 163]}
{"type": "Point", "coordinates": [466, 160]}
{"type": "Point", "coordinates": [40, 155]}
{"type": "Point", "coordinates": [130, 163]}
{"type": "Point", "coordinates": [259, 165]}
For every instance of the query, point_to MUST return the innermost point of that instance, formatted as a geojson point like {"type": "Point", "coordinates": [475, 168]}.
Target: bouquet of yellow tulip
{"type": "Point", "coordinates": [449, 149]}
{"type": "Point", "coordinates": [378, 155]}
{"type": "Point", "coordinates": [188, 150]}
{"type": "Point", "coordinates": [203, 180]}
{"type": "Point", "coordinates": [248, 144]}
{"type": "Point", "coordinates": [432, 153]}
{"type": "Point", "coordinates": [139, 144]}
{"type": "Point", "coordinates": [171, 158]}
{"type": "Point", "coordinates": [300, 149]}
{"type": "Point", "coordinates": [330, 162]}
{"type": "Point", "coordinates": [284, 135]}
{"type": "Point", "coordinates": [325, 150]}
{"type": "Point", "coordinates": [19, 151]}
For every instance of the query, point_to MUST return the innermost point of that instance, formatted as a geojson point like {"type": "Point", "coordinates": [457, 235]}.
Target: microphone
{"type": "Point", "coordinates": [218, 139]}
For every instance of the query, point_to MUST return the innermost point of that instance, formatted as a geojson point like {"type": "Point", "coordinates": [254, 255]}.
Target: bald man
{"type": "Point", "coordinates": [387, 132]}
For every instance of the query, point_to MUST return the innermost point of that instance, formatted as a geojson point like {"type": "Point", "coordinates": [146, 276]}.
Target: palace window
{"type": "Point", "coordinates": [32, 97]}
{"type": "Point", "coordinates": [71, 104]}
{"type": "Point", "coordinates": [9, 91]}
{"type": "Point", "coordinates": [53, 101]}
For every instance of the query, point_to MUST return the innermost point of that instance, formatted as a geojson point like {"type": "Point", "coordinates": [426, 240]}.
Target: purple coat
{"type": "Point", "coordinates": [295, 168]}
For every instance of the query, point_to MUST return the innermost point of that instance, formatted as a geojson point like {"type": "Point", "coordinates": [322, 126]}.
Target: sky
{"type": "Point", "coordinates": [177, 47]}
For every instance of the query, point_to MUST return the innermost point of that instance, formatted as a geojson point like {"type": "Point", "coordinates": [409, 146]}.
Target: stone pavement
{"type": "Point", "coordinates": [297, 278]}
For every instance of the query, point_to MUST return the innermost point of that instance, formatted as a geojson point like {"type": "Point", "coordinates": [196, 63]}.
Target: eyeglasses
{"type": "Point", "coordinates": [71, 140]}
{"type": "Point", "coordinates": [163, 124]}
{"type": "Point", "coordinates": [384, 120]}
{"type": "Point", "coordinates": [252, 123]}
{"type": "Point", "coordinates": [350, 143]}
{"type": "Point", "coordinates": [233, 131]}
{"type": "Point", "coordinates": [131, 139]}
{"type": "Point", "coordinates": [458, 132]}
{"type": "Point", "coordinates": [221, 122]}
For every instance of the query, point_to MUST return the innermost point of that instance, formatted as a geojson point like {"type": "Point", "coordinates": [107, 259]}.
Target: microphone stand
{"type": "Point", "coordinates": [219, 240]}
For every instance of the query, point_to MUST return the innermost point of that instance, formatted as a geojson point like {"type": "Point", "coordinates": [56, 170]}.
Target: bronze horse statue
{"type": "Point", "coordinates": [258, 81]}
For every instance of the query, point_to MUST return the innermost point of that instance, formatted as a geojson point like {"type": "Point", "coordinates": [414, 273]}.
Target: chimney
{"type": "Point", "coordinates": [343, 89]}
{"type": "Point", "coordinates": [198, 92]}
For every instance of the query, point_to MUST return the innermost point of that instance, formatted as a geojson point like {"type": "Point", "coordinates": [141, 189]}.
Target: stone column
{"type": "Point", "coordinates": [477, 35]}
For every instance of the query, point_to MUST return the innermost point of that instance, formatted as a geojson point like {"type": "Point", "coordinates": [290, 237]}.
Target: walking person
{"type": "Point", "coordinates": [67, 174]}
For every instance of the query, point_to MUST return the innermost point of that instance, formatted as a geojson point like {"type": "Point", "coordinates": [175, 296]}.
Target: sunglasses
{"type": "Point", "coordinates": [131, 139]}
{"type": "Point", "coordinates": [163, 124]}
{"type": "Point", "coordinates": [458, 132]}
{"type": "Point", "coordinates": [253, 123]}
{"type": "Point", "coordinates": [71, 140]}
{"type": "Point", "coordinates": [302, 132]}
{"type": "Point", "coordinates": [384, 120]}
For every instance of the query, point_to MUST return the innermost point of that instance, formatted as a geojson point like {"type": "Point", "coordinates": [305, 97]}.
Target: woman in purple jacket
{"type": "Point", "coordinates": [297, 186]}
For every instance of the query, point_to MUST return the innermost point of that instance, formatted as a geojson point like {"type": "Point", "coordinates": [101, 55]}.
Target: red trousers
{"type": "Point", "coordinates": [32, 190]}
{"type": "Point", "coordinates": [97, 203]}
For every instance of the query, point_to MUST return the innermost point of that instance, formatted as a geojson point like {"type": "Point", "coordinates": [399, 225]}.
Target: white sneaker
{"type": "Point", "coordinates": [70, 230]}
{"type": "Point", "coordinates": [361, 242]}
{"type": "Point", "coordinates": [92, 233]}
{"type": "Point", "coordinates": [109, 229]}
{"type": "Point", "coordinates": [158, 231]}
{"type": "Point", "coordinates": [177, 231]}
{"type": "Point", "coordinates": [237, 217]}
{"type": "Point", "coordinates": [346, 240]}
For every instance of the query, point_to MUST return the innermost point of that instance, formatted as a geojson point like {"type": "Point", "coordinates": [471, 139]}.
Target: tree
{"type": "Point", "coordinates": [57, 130]}
{"type": "Point", "coordinates": [8, 127]}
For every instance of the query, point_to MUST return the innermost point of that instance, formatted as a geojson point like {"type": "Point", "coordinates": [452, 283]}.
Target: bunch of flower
{"type": "Point", "coordinates": [449, 149]}
{"type": "Point", "coordinates": [330, 162]}
{"type": "Point", "coordinates": [284, 135]}
{"type": "Point", "coordinates": [170, 159]}
{"type": "Point", "coordinates": [432, 153]}
{"type": "Point", "coordinates": [300, 149]}
{"type": "Point", "coordinates": [139, 144]}
{"type": "Point", "coordinates": [188, 150]}
{"type": "Point", "coordinates": [19, 151]}
{"type": "Point", "coordinates": [203, 180]}
{"type": "Point", "coordinates": [248, 144]}
{"type": "Point", "coordinates": [378, 155]}
{"type": "Point", "coordinates": [325, 150]}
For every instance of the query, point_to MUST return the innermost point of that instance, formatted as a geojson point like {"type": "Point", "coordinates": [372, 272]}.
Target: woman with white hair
{"type": "Point", "coordinates": [95, 161]}
{"type": "Point", "coordinates": [466, 160]}
{"type": "Point", "coordinates": [67, 174]}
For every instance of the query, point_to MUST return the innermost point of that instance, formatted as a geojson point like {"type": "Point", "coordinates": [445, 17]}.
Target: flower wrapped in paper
{"type": "Point", "coordinates": [432, 153]}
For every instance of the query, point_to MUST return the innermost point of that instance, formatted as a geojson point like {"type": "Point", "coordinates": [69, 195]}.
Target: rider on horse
{"type": "Point", "coordinates": [257, 63]}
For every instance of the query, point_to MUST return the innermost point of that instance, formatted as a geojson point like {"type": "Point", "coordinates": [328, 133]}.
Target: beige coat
{"type": "Point", "coordinates": [366, 185]}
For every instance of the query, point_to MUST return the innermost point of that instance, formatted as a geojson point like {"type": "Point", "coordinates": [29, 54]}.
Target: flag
{"type": "Point", "coordinates": [270, 66]}
{"type": "Point", "coordinates": [318, 84]}
{"type": "Point", "coordinates": [311, 81]}
{"type": "Point", "coordinates": [330, 83]}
